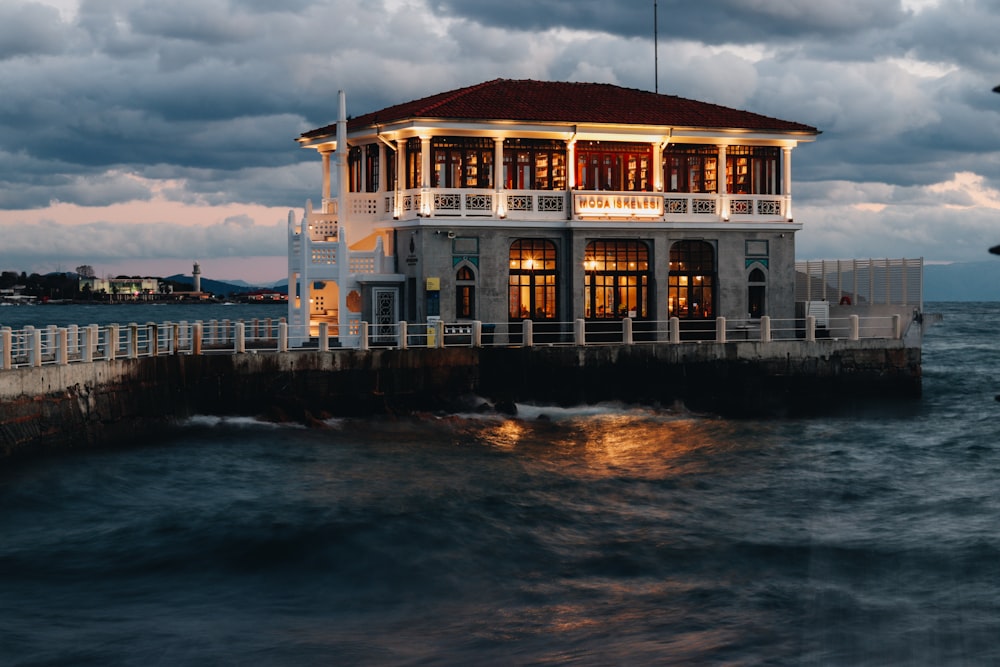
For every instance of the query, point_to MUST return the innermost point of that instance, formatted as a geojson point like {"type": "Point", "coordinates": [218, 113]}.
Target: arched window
{"type": "Point", "coordinates": [465, 294]}
{"type": "Point", "coordinates": [532, 280]}
{"type": "Point", "coordinates": [756, 293]}
{"type": "Point", "coordinates": [616, 280]}
{"type": "Point", "coordinates": [691, 284]}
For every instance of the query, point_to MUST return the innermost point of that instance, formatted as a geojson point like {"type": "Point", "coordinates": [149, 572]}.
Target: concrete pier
{"type": "Point", "coordinates": [130, 400]}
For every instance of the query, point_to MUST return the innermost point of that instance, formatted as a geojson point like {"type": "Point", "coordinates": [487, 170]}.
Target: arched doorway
{"type": "Point", "coordinates": [465, 293]}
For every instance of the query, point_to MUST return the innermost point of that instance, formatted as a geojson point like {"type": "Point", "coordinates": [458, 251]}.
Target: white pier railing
{"type": "Point", "coordinates": [34, 347]}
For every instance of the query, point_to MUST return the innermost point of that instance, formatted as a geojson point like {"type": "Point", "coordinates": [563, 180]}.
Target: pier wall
{"type": "Point", "coordinates": [132, 400]}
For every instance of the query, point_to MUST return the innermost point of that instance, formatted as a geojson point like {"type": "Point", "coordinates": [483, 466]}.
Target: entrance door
{"type": "Point", "coordinates": [385, 315]}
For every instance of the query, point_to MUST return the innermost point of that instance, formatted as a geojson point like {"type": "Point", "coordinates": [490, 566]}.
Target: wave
{"type": "Point", "coordinates": [236, 422]}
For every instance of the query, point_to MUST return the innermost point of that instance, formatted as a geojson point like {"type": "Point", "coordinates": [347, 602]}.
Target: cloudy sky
{"type": "Point", "coordinates": [140, 135]}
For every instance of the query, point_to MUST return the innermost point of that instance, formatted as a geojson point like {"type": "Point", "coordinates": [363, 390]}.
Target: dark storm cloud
{"type": "Point", "coordinates": [962, 32]}
{"type": "Point", "coordinates": [711, 22]}
{"type": "Point", "coordinates": [193, 21]}
{"type": "Point", "coordinates": [198, 101]}
{"type": "Point", "coordinates": [31, 29]}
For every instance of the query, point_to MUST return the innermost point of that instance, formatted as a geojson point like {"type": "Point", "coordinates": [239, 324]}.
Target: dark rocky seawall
{"type": "Point", "coordinates": [129, 400]}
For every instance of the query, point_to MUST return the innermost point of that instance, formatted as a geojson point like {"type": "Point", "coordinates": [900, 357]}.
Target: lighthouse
{"type": "Point", "coordinates": [196, 274]}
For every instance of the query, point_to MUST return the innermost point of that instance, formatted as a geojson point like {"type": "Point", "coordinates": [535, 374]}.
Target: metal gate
{"type": "Point", "coordinates": [385, 315]}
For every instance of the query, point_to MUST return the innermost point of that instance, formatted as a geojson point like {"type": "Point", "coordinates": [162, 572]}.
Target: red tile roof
{"type": "Point", "coordinates": [564, 102]}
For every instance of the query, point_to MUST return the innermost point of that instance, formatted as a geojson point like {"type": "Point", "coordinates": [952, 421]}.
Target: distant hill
{"type": "Point", "coordinates": [218, 287]}
{"type": "Point", "coordinates": [962, 281]}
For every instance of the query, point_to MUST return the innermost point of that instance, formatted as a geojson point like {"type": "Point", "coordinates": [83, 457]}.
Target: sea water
{"type": "Point", "coordinates": [606, 534]}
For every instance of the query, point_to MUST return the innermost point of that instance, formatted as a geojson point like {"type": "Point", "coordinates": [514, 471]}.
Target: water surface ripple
{"type": "Point", "coordinates": [599, 535]}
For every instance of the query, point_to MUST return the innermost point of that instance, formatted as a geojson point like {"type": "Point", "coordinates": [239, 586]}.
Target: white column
{"type": "Point", "coordinates": [498, 177]}
{"type": "Point", "coordinates": [62, 347]}
{"type": "Point", "coordinates": [111, 338]}
{"type": "Point", "coordinates": [154, 338]}
{"type": "Point", "coordinates": [362, 335]}
{"type": "Point", "coordinates": [425, 176]}
{"type": "Point", "coordinates": [342, 149]}
{"type": "Point", "coordinates": [403, 335]}
{"type": "Point", "coordinates": [477, 333]}
{"type": "Point", "coordinates": [34, 346]}
{"type": "Point", "coordinates": [283, 336]}
{"type": "Point", "coordinates": [89, 338]}
{"type": "Point", "coordinates": [324, 336]}
{"type": "Point", "coordinates": [325, 154]}
{"type": "Point", "coordinates": [722, 184]}
{"type": "Point", "coordinates": [400, 170]}
{"type": "Point", "coordinates": [786, 181]}
{"type": "Point", "coordinates": [657, 167]}
{"type": "Point", "coordinates": [133, 340]}
{"type": "Point", "coordinates": [425, 162]}
{"type": "Point", "coordinates": [571, 164]}
{"type": "Point", "coordinates": [382, 174]}
{"type": "Point", "coordinates": [73, 333]}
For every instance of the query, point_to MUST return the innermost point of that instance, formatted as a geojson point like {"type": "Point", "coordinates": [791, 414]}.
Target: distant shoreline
{"type": "Point", "coordinates": [146, 302]}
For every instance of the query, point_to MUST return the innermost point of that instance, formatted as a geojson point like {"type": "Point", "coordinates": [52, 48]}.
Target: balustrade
{"type": "Point", "coordinates": [34, 347]}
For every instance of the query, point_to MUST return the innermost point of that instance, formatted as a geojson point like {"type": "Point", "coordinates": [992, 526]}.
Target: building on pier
{"type": "Point", "coordinates": [549, 201]}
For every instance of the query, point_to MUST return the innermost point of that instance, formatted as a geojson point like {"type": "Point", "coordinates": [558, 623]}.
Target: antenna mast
{"type": "Point", "coordinates": [656, 50]}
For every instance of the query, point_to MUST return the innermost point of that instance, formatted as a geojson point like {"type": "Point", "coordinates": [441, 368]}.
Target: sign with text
{"type": "Point", "coordinates": [619, 205]}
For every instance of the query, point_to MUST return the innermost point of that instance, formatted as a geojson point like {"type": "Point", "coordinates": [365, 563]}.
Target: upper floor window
{"type": "Point", "coordinates": [460, 162]}
{"type": "Point", "coordinates": [390, 170]}
{"type": "Point", "coordinates": [613, 166]}
{"type": "Point", "coordinates": [530, 164]}
{"type": "Point", "coordinates": [690, 168]}
{"type": "Point", "coordinates": [753, 170]}
{"type": "Point", "coordinates": [414, 164]}
{"type": "Point", "coordinates": [362, 165]}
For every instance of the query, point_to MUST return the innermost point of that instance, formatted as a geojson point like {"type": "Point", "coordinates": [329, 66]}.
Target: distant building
{"type": "Point", "coordinates": [265, 296]}
{"type": "Point", "coordinates": [121, 288]}
{"type": "Point", "coordinates": [550, 201]}
{"type": "Point", "coordinates": [15, 295]}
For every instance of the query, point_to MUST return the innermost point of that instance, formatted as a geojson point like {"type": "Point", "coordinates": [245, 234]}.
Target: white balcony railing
{"type": "Point", "coordinates": [540, 205]}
